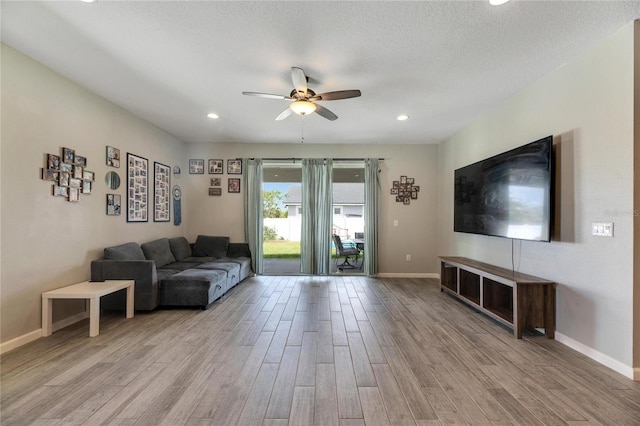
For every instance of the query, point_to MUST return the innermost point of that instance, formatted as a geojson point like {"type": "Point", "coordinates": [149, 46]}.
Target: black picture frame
{"type": "Point", "coordinates": [161, 192]}
{"type": "Point", "coordinates": [196, 166]}
{"type": "Point", "coordinates": [216, 166]}
{"type": "Point", "coordinates": [137, 188]}
{"type": "Point", "coordinates": [113, 157]}
{"type": "Point", "coordinates": [233, 186]}
{"type": "Point", "coordinates": [53, 162]}
{"type": "Point", "coordinates": [114, 204]}
{"type": "Point", "coordinates": [68, 155]}
{"type": "Point", "coordinates": [234, 167]}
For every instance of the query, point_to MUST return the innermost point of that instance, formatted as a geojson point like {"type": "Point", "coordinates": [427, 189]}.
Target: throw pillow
{"type": "Point", "coordinates": [211, 246]}
{"type": "Point", "coordinates": [180, 248]}
{"type": "Point", "coordinates": [127, 251]}
{"type": "Point", "coordinates": [158, 251]}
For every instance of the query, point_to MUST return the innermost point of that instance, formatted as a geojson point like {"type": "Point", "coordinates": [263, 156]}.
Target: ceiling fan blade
{"type": "Point", "coordinates": [299, 80]}
{"type": "Point", "coordinates": [334, 96]}
{"type": "Point", "coordinates": [284, 114]}
{"type": "Point", "coordinates": [266, 95]}
{"type": "Point", "coordinates": [325, 113]}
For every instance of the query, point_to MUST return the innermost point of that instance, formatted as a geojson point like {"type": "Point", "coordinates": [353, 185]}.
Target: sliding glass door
{"type": "Point", "coordinates": [348, 217]}
{"type": "Point", "coordinates": [341, 201]}
{"type": "Point", "coordinates": [282, 213]}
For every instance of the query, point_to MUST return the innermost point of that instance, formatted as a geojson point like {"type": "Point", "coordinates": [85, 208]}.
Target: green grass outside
{"type": "Point", "coordinates": [280, 249]}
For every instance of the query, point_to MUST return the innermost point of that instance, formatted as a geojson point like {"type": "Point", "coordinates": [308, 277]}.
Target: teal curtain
{"type": "Point", "coordinates": [371, 203]}
{"type": "Point", "coordinates": [317, 220]}
{"type": "Point", "coordinates": [253, 208]}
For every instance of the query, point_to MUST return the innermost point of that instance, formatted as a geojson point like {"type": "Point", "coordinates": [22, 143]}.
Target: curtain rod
{"type": "Point", "coordinates": [300, 159]}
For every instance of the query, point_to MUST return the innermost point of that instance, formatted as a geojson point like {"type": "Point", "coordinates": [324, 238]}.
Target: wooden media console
{"type": "Point", "coordinates": [517, 300]}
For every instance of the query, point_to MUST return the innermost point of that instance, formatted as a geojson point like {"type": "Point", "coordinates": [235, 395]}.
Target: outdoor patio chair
{"type": "Point", "coordinates": [348, 253]}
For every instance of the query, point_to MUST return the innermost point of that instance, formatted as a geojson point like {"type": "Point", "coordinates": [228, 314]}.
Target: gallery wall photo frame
{"type": "Point", "coordinates": [114, 204]}
{"type": "Point", "coordinates": [196, 167]}
{"type": "Point", "coordinates": [233, 186]}
{"type": "Point", "coordinates": [404, 190]}
{"type": "Point", "coordinates": [74, 195]}
{"type": "Point", "coordinates": [215, 191]}
{"type": "Point", "coordinates": [161, 192]}
{"type": "Point", "coordinates": [68, 155]}
{"type": "Point", "coordinates": [137, 188]}
{"type": "Point", "coordinates": [216, 167]}
{"type": "Point", "coordinates": [113, 156]}
{"type": "Point", "coordinates": [234, 167]}
{"type": "Point", "coordinates": [68, 173]}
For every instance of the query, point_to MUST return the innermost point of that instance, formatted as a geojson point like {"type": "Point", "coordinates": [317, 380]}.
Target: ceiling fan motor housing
{"type": "Point", "coordinates": [296, 95]}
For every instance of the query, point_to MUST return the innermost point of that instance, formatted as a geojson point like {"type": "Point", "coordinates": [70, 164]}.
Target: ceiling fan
{"type": "Point", "coordinates": [304, 99]}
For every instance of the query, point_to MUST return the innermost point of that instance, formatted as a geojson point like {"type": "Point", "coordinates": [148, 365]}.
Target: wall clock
{"type": "Point", "coordinates": [177, 213]}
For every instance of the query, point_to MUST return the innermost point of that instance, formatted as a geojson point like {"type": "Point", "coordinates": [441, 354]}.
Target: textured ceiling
{"type": "Point", "coordinates": [444, 63]}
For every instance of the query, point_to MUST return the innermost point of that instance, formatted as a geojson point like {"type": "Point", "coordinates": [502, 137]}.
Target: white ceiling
{"type": "Point", "coordinates": [444, 63]}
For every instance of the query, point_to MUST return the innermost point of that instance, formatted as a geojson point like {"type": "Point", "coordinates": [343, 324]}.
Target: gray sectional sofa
{"type": "Point", "coordinates": [172, 272]}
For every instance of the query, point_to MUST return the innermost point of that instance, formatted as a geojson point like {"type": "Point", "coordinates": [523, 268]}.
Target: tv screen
{"type": "Point", "coordinates": [508, 195]}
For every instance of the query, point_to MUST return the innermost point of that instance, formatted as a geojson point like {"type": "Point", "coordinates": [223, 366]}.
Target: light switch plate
{"type": "Point", "coordinates": [602, 229]}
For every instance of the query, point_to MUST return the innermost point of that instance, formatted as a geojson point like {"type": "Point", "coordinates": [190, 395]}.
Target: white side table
{"type": "Point", "coordinates": [86, 290]}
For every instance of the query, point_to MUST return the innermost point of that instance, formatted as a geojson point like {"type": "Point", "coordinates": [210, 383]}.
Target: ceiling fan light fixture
{"type": "Point", "coordinates": [303, 107]}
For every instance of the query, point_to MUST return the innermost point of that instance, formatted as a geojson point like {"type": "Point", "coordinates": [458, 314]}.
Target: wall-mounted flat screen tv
{"type": "Point", "coordinates": [508, 195]}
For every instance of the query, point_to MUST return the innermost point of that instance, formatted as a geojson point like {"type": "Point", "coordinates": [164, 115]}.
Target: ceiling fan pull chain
{"type": "Point", "coordinates": [302, 127]}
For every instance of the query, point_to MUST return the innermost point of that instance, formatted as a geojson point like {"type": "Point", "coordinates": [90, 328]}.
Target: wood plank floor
{"type": "Point", "coordinates": [310, 350]}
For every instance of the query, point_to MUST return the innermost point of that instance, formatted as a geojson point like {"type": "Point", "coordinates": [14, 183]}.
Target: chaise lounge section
{"type": "Point", "coordinates": [171, 272]}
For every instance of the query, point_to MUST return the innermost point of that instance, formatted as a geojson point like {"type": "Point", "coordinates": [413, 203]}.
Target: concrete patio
{"type": "Point", "coordinates": [292, 267]}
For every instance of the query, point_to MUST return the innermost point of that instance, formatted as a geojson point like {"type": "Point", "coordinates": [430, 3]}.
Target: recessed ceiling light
{"type": "Point", "coordinates": [213, 115]}
{"type": "Point", "coordinates": [89, 1]}
{"type": "Point", "coordinates": [497, 2]}
{"type": "Point", "coordinates": [402, 117]}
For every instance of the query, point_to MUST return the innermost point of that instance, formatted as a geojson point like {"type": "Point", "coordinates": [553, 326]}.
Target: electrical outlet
{"type": "Point", "coordinates": [600, 229]}
{"type": "Point", "coordinates": [395, 222]}
{"type": "Point", "coordinates": [408, 258]}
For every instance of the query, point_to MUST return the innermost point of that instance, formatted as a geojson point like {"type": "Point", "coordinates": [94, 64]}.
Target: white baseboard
{"type": "Point", "coordinates": [70, 320]}
{"type": "Point", "coordinates": [607, 361]}
{"type": "Point", "coordinates": [36, 334]}
{"type": "Point", "coordinates": [407, 275]}
{"type": "Point", "coordinates": [21, 340]}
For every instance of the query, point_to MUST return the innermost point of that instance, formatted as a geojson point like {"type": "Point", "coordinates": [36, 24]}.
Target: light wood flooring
{"type": "Point", "coordinates": [310, 350]}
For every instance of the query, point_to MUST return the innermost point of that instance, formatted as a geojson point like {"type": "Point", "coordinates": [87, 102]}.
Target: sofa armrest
{"type": "Point", "coordinates": [142, 271]}
{"type": "Point", "coordinates": [238, 250]}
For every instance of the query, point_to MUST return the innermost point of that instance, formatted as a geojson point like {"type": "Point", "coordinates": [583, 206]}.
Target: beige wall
{"type": "Point", "coordinates": [48, 242]}
{"type": "Point", "coordinates": [588, 106]}
{"type": "Point", "coordinates": [416, 230]}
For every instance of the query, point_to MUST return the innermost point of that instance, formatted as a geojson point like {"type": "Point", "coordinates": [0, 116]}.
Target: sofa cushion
{"type": "Point", "coordinates": [158, 251]}
{"type": "Point", "coordinates": [211, 246]}
{"type": "Point", "coordinates": [180, 248]}
{"type": "Point", "coordinates": [193, 287]}
{"type": "Point", "coordinates": [180, 266]}
{"type": "Point", "coordinates": [166, 273]}
{"type": "Point", "coordinates": [231, 268]}
{"type": "Point", "coordinates": [127, 251]}
{"type": "Point", "coordinates": [244, 262]}
{"type": "Point", "coordinates": [198, 260]}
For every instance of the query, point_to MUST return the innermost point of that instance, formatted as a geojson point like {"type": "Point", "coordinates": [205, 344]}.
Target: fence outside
{"type": "Point", "coordinates": [289, 228]}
